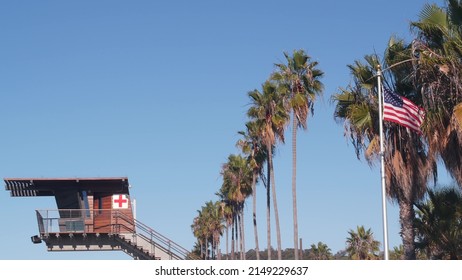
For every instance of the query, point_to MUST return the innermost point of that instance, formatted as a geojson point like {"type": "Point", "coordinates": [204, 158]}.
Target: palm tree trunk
{"type": "Point", "coordinates": [206, 248]}
{"type": "Point", "coordinates": [232, 239]}
{"type": "Point", "coordinates": [218, 249]}
{"type": "Point", "coordinates": [406, 217]}
{"type": "Point", "coordinates": [213, 248]}
{"type": "Point", "coordinates": [239, 226]}
{"type": "Point", "coordinates": [243, 233]}
{"type": "Point", "coordinates": [294, 183]}
{"type": "Point", "coordinates": [202, 250]}
{"type": "Point", "coordinates": [276, 213]}
{"type": "Point", "coordinates": [268, 208]}
{"type": "Point", "coordinates": [227, 242]}
{"type": "Point", "coordinates": [236, 225]}
{"type": "Point", "coordinates": [254, 200]}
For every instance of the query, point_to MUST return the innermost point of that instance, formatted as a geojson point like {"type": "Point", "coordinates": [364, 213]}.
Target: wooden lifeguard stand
{"type": "Point", "coordinates": [93, 214]}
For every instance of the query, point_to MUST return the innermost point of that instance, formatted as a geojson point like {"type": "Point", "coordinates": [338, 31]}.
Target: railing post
{"type": "Point", "coordinates": [153, 248]}
{"type": "Point", "coordinates": [49, 221]}
{"type": "Point", "coordinates": [116, 222]}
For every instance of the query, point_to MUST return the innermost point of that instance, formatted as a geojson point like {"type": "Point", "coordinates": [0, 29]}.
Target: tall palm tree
{"type": "Point", "coordinates": [199, 233]}
{"type": "Point", "coordinates": [408, 167]}
{"type": "Point", "coordinates": [237, 184]}
{"type": "Point", "coordinates": [437, 71]}
{"type": "Point", "coordinates": [252, 146]}
{"type": "Point", "coordinates": [228, 212]}
{"type": "Point", "coordinates": [300, 84]}
{"type": "Point", "coordinates": [361, 244]}
{"type": "Point", "coordinates": [438, 224]}
{"type": "Point", "coordinates": [268, 113]}
{"type": "Point", "coordinates": [207, 228]}
{"type": "Point", "coordinates": [216, 226]}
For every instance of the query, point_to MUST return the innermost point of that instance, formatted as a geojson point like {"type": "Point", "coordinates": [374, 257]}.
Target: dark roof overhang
{"type": "Point", "coordinates": [22, 187]}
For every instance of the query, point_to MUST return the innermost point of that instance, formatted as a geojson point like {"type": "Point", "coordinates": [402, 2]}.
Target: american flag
{"type": "Point", "coordinates": [402, 111]}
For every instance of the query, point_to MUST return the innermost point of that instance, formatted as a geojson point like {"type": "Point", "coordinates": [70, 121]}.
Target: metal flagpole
{"type": "Point", "coordinates": [382, 164]}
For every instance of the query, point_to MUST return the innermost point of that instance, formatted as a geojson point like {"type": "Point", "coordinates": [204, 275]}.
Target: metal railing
{"type": "Point", "coordinates": [58, 221]}
{"type": "Point", "coordinates": [76, 220]}
{"type": "Point", "coordinates": [156, 239]}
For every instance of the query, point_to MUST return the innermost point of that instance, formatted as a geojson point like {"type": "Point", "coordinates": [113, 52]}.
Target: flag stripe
{"type": "Point", "coordinates": [397, 119]}
{"type": "Point", "coordinates": [402, 111]}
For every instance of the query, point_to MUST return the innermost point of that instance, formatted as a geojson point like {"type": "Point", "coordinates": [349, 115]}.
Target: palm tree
{"type": "Point", "coordinates": [300, 84]}
{"type": "Point", "coordinates": [408, 167]}
{"type": "Point", "coordinates": [252, 146]}
{"type": "Point", "coordinates": [420, 160]}
{"type": "Point", "coordinates": [269, 115]}
{"type": "Point", "coordinates": [228, 212]}
{"type": "Point", "coordinates": [207, 228]}
{"type": "Point", "coordinates": [237, 184]}
{"type": "Point", "coordinates": [438, 224]}
{"type": "Point", "coordinates": [198, 231]}
{"type": "Point", "coordinates": [228, 208]}
{"type": "Point", "coordinates": [319, 252]}
{"type": "Point", "coordinates": [397, 253]}
{"type": "Point", "coordinates": [216, 227]}
{"type": "Point", "coordinates": [196, 252]}
{"type": "Point", "coordinates": [437, 71]}
{"type": "Point", "coordinates": [361, 244]}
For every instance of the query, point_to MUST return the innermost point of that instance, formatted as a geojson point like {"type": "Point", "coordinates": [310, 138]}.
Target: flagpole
{"type": "Point", "coordinates": [382, 164]}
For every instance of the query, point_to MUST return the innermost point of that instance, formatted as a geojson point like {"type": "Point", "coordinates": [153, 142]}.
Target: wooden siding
{"type": "Point", "coordinates": [102, 217]}
{"type": "Point", "coordinates": [125, 224]}
{"type": "Point", "coordinates": [105, 218]}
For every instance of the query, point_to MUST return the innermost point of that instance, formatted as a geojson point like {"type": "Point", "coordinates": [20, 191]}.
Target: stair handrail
{"type": "Point", "coordinates": [170, 245]}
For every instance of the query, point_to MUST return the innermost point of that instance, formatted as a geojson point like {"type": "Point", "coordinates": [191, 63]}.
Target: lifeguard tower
{"type": "Point", "coordinates": [93, 214]}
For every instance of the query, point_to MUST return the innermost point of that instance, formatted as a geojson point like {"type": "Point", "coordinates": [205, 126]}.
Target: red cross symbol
{"type": "Point", "coordinates": [119, 201]}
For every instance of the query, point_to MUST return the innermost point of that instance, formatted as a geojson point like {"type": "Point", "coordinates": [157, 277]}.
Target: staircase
{"type": "Point", "coordinates": [144, 243]}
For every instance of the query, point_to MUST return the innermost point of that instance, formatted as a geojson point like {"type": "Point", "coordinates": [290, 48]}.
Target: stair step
{"type": "Point", "coordinates": [142, 247]}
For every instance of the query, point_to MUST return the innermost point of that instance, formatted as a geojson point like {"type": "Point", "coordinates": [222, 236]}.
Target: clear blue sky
{"type": "Point", "coordinates": [157, 90]}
